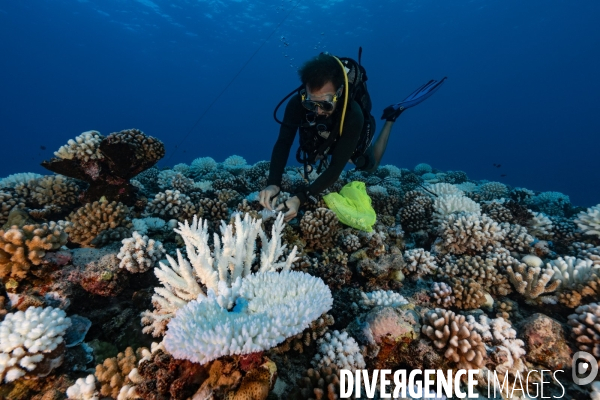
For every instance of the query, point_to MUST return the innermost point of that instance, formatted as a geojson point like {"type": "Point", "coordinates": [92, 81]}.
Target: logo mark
{"type": "Point", "coordinates": [584, 363]}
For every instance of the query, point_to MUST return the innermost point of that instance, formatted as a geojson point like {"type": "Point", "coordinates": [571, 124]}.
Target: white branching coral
{"type": "Point", "coordinates": [442, 293]}
{"type": "Point", "coordinates": [445, 189]}
{"type": "Point", "coordinates": [83, 389]}
{"type": "Point", "coordinates": [235, 164]}
{"type": "Point", "coordinates": [139, 253]}
{"type": "Point", "coordinates": [469, 233]}
{"type": "Point", "coordinates": [29, 338]}
{"type": "Point", "coordinates": [202, 166]}
{"type": "Point", "coordinates": [589, 221]}
{"type": "Point", "coordinates": [271, 307]}
{"type": "Point", "coordinates": [219, 270]}
{"type": "Point", "coordinates": [453, 203]}
{"type": "Point", "coordinates": [532, 282]}
{"type": "Point", "coordinates": [420, 262]}
{"type": "Point", "coordinates": [382, 298]}
{"type": "Point", "coordinates": [573, 272]}
{"type": "Point", "coordinates": [540, 226]}
{"type": "Point", "coordinates": [340, 349]}
{"type": "Point", "coordinates": [585, 325]}
{"type": "Point", "coordinates": [84, 147]}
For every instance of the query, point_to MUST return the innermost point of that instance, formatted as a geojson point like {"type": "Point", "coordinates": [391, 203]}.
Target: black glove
{"type": "Point", "coordinates": [390, 113]}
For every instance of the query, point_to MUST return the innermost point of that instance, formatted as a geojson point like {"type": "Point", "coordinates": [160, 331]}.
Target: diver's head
{"type": "Point", "coordinates": [323, 80]}
{"type": "Point", "coordinates": [322, 101]}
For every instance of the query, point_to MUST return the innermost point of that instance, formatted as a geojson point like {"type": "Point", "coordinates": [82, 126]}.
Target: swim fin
{"type": "Point", "coordinates": [421, 94]}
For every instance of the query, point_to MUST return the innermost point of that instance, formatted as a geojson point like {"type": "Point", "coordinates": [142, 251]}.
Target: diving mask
{"type": "Point", "coordinates": [325, 105]}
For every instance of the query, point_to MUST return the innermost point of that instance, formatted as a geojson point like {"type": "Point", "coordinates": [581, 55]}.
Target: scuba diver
{"type": "Point", "coordinates": [332, 111]}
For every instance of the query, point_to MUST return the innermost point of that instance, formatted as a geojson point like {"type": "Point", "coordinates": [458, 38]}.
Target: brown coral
{"type": "Point", "coordinates": [449, 331]}
{"type": "Point", "coordinates": [320, 383]}
{"type": "Point", "coordinates": [164, 377]}
{"type": "Point", "coordinates": [8, 201]}
{"type": "Point", "coordinates": [305, 338]}
{"type": "Point", "coordinates": [320, 228]}
{"type": "Point", "coordinates": [481, 269]}
{"type": "Point", "coordinates": [91, 219]}
{"type": "Point", "coordinates": [20, 248]}
{"type": "Point", "coordinates": [57, 190]}
{"type": "Point", "coordinates": [172, 204]}
{"type": "Point", "coordinates": [468, 294]}
{"type": "Point", "coordinates": [112, 373]}
{"type": "Point", "coordinates": [417, 211]}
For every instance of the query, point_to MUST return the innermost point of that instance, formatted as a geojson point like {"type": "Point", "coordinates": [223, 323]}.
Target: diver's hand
{"type": "Point", "coordinates": [292, 205]}
{"type": "Point", "coordinates": [390, 113]}
{"type": "Point", "coordinates": [267, 197]}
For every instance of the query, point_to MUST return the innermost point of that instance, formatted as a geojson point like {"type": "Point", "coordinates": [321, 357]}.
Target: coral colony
{"type": "Point", "coordinates": [124, 281]}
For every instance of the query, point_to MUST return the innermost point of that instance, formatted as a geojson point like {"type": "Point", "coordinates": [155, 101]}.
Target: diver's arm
{"type": "Point", "coordinates": [287, 134]}
{"type": "Point", "coordinates": [341, 154]}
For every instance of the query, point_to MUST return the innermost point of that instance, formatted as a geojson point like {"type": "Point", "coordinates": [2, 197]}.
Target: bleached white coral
{"type": "Point", "coordinates": [340, 349]}
{"type": "Point", "coordinates": [493, 190]}
{"type": "Point", "coordinates": [270, 308]}
{"type": "Point", "coordinates": [84, 147]}
{"type": "Point", "coordinates": [445, 205]}
{"type": "Point", "coordinates": [148, 224]}
{"type": "Point", "coordinates": [540, 226]}
{"type": "Point", "coordinates": [13, 180]}
{"type": "Point", "coordinates": [392, 171]}
{"type": "Point", "coordinates": [382, 298]}
{"type": "Point", "coordinates": [235, 164]}
{"type": "Point", "coordinates": [219, 270]}
{"type": "Point", "coordinates": [444, 189]}
{"type": "Point", "coordinates": [205, 186]}
{"type": "Point", "coordinates": [139, 253]}
{"type": "Point", "coordinates": [469, 232]}
{"type": "Point", "coordinates": [83, 389]}
{"type": "Point", "coordinates": [572, 272]}
{"type": "Point", "coordinates": [467, 187]}
{"type": "Point", "coordinates": [423, 168]}
{"type": "Point", "coordinates": [442, 293]}
{"type": "Point", "coordinates": [202, 166]}
{"type": "Point", "coordinates": [165, 178]}
{"type": "Point", "coordinates": [589, 221]}
{"type": "Point", "coordinates": [27, 337]}
{"type": "Point", "coordinates": [377, 190]}
{"type": "Point", "coordinates": [420, 261]}
{"type": "Point", "coordinates": [532, 282]}
{"type": "Point", "coordinates": [182, 168]}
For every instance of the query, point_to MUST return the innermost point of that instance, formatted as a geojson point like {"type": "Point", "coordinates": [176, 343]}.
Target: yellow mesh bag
{"type": "Point", "coordinates": [352, 205]}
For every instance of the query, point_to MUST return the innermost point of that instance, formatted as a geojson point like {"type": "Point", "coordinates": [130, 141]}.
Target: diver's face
{"type": "Point", "coordinates": [325, 93]}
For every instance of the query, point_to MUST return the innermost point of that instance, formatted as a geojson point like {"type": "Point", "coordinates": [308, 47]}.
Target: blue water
{"type": "Point", "coordinates": [204, 77]}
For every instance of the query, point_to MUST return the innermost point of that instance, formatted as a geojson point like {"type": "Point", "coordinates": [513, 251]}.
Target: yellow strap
{"type": "Point", "coordinates": [346, 88]}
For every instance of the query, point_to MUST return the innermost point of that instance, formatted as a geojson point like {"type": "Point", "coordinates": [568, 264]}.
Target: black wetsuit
{"type": "Point", "coordinates": [342, 150]}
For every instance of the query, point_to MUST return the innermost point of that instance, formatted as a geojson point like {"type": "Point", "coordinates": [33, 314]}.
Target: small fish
{"type": "Point", "coordinates": [43, 147]}
{"type": "Point", "coordinates": [503, 175]}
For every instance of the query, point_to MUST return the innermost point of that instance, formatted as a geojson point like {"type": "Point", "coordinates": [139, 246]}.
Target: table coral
{"type": "Point", "coordinates": [107, 163]}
